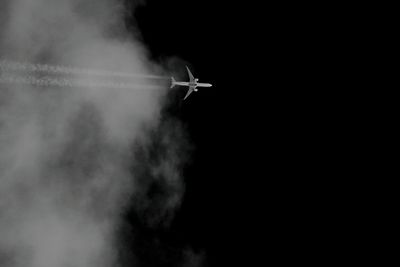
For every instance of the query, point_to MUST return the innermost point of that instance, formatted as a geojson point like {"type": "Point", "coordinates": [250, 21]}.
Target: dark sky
{"type": "Point", "coordinates": [209, 220]}
{"type": "Point", "coordinates": [250, 131]}
{"type": "Point", "coordinates": [232, 188]}
{"type": "Point", "coordinates": [278, 150]}
{"type": "Point", "coordinates": [267, 150]}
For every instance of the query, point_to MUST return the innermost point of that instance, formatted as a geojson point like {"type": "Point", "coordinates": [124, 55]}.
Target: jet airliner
{"type": "Point", "coordinates": [193, 83]}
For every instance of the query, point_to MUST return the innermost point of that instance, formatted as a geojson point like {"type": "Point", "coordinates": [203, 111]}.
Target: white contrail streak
{"type": "Point", "coordinates": [47, 81]}
{"type": "Point", "coordinates": [6, 65]}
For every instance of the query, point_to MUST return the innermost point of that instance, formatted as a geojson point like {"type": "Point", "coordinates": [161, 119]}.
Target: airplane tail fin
{"type": "Point", "coordinates": [172, 82]}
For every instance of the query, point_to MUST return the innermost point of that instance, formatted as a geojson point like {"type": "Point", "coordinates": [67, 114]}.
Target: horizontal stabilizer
{"type": "Point", "coordinates": [172, 82]}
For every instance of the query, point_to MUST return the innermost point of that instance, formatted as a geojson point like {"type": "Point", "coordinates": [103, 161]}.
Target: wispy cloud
{"type": "Point", "coordinates": [68, 154]}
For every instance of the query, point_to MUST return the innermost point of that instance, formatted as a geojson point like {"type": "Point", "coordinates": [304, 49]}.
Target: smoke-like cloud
{"type": "Point", "coordinates": [71, 155]}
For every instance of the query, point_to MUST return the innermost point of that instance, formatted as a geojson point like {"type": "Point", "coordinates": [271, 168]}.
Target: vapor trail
{"type": "Point", "coordinates": [47, 81]}
{"type": "Point", "coordinates": [6, 65]}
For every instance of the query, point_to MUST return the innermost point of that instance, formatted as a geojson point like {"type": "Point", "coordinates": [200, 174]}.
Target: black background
{"type": "Point", "coordinates": [214, 219]}
{"type": "Point", "coordinates": [269, 156]}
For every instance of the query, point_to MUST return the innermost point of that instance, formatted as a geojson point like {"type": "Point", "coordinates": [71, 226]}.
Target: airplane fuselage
{"type": "Point", "coordinates": [193, 84]}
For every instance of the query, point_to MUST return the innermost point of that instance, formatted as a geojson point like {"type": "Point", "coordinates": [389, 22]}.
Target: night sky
{"type": "Point", "coordinates": [210, 216]}
{"type": "Point", "coordinates": [277, 146]}
{"type": "Point", "coordinates": [231, 180]}
{"type": "Point", "coordinates": [261, 180]}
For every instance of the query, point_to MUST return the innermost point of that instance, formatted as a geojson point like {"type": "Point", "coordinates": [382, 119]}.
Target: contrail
{"type": "Point", "coordinates": [6, 65]}
{"type": "Point", "coordinates": [47, 81]}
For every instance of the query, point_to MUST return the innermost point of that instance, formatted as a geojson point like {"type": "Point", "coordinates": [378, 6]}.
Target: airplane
{"type": "Point", "coordinates": [193, 83]}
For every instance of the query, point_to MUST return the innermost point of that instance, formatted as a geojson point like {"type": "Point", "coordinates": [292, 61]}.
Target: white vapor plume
{"type": "Point", "coordinates": [6, 65]}
{"type": "Point", "coordinates": [67, 161]}
{"type": "Point", "coordinates": [46, 81]}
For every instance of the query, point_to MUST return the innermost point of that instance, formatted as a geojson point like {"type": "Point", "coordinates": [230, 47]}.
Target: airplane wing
{"type": "Point", "coordinates": [191, 89]}
{"type": "Point", "coordinates": [190, 75]}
